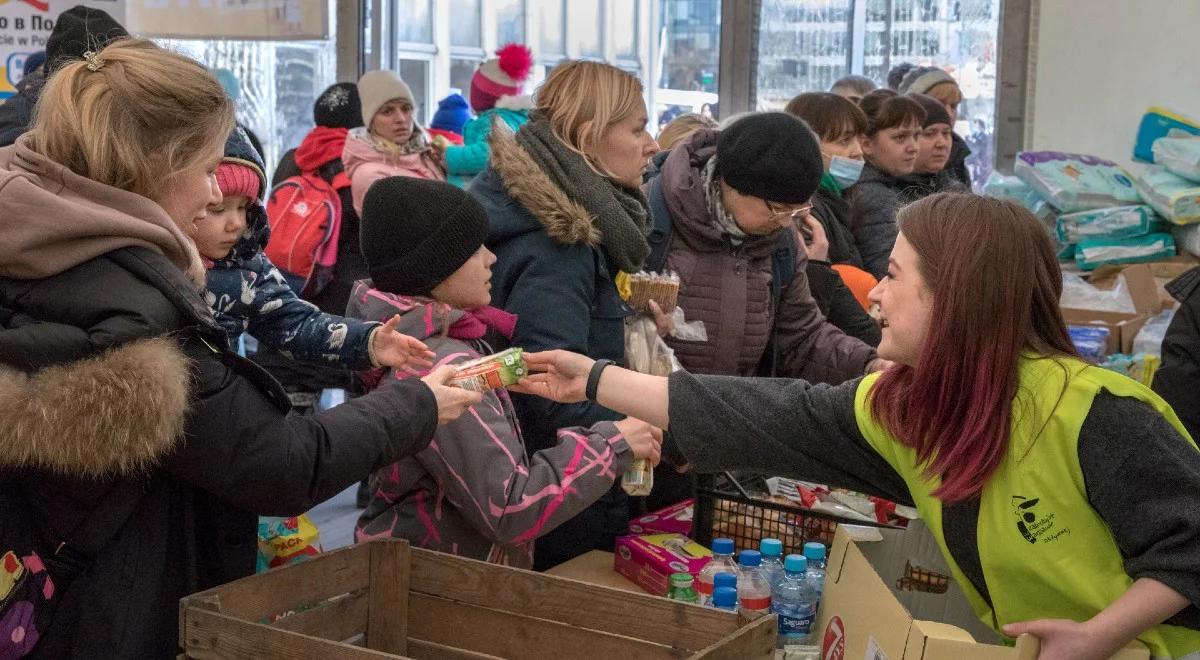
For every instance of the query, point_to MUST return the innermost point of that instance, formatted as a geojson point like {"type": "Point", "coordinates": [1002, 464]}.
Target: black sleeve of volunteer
{"type": "Point", "coordinates": [777, 426]}
{"type": "Point", "coordinates": [1143, 478]}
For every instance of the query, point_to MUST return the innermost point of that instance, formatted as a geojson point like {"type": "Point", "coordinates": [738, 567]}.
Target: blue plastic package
{"type": "Point", "coordinates": [1160, 123]}
{"type": "Point", "coordinates": [1090, 341]}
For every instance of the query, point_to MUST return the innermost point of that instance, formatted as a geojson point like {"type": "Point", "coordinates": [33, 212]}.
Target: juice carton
{"type": "Point", "coordinates": [675, 519]}
{"type": "Point", "coordinates": [649, 561]}
{"type": "Point", "coordinates": [491, 372]}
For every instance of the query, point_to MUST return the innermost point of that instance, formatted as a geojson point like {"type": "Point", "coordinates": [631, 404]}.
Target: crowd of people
{"type": "Point", "coordinates": [867, 322]}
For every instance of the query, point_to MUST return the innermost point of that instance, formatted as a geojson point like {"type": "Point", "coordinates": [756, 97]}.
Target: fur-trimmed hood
{"type": "Point", "coordinates": [549, 208]}
{"type": "Point", "coordinates": [116, 413]}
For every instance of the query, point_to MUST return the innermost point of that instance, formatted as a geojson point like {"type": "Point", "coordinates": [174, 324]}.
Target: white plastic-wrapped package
{"type": "Point", "coordinates": [1095, 252]}
{"type": "Point", "coordinates": [1112, 222]}
{"type": "Point", "coordinates": [1075, 182]}
{"type": "Point", "coordinates": [1174, 197]}
{"type": "Point", "coordinates": [1187, 238]}
{"type": "Point", "coordinates": [1180, 155]}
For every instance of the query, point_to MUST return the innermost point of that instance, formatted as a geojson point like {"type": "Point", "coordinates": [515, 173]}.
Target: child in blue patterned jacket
{"type": "Point", "coordinates": [247, 293]}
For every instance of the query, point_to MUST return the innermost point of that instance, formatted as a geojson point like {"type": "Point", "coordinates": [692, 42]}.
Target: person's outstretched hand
{"type": "Point", "coordinates": [556, 375]}
{"type": "Point", "coordinates": [644, 439]}
{"type": "Point", "coordinates": [452, 401]}
{"type": "Point", "coordinates": [399, 351]}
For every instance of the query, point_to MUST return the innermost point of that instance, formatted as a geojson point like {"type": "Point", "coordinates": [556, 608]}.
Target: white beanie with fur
{"type": "Point", "coordinates": [376, 88]}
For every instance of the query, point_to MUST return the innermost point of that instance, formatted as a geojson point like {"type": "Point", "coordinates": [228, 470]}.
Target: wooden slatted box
{"type": "Point", "coordinates": [384, 599]}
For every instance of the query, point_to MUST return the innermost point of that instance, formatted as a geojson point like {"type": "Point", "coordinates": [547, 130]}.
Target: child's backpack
{"type": "Point", "coordinates": [305, 214]}
{"type": "Point", "coordinates": [36, 571]}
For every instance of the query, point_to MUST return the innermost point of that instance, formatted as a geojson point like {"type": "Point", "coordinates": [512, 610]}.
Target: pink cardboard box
{"type": "Point", "coordinates": [675, 519]}
{"type": "Point", "coordinates": [649, 561]}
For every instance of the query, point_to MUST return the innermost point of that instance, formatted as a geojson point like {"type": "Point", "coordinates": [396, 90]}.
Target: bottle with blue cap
{"type": "Point", "coordinates": [772, 560]}
{"type": "Point", "coordinates": [722, 562]}
{"type": "Point", "coordinates": [815, 553]}
{"type": "Point", "coordinates": [725, 598]}
{"type": "Point", "coordinates": [754, 592]}
{"type": "Point", "coordinates": [795, 603]}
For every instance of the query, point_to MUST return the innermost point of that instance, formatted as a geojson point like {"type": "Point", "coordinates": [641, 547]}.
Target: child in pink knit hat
{"type": "Point", "coordinates": [496, 93]}
{"type": "Point", "coordinates": [247, 293]}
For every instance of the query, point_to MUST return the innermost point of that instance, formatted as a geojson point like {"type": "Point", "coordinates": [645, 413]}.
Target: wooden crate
{"type": "Point", "coordinates": [384, 599]}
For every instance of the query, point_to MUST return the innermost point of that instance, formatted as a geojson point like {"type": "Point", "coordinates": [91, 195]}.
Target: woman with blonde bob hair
{"type": "Point", "coordinates": [566, 217]}
{"type": "Point", "coordinates": [137, 451]}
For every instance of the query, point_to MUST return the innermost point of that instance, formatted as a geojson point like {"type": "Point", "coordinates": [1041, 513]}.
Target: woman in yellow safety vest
{"type": "Point", "coordinates": [1064, 497]}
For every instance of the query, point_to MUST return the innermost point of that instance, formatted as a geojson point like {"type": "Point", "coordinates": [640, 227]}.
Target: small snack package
{"type": "Point", "coordinates": [662, 288]}
{"type": "Point", "coordinates": [1075, 182]}
{"type": "Point", "coordinates": [1095, 252]}
{"type": "Point", "coordinates": [675, 519]}
{"type": "Point", "coordinates": [491, 372]}
{"type": "Point", "coordinates": [1174, 197]}
{"type": "Point", "coordinates": [649, 561]}
{"type": "Point", "coordinates": [1111, 222]}
{"type": "Point", "coordinates": [283, 541]}
{"type": "Point", "coordinates": [1180, 155]}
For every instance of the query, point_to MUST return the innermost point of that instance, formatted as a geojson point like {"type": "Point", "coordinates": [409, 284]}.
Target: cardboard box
{"type": "Point", "coordinates": [649, 561]}
{"type": "Point", "coordinates": [861, 618]}
{"type": "Point", "coordinates": [1123, 327]}
{"type": "Point", "coordinates": [675, 519]}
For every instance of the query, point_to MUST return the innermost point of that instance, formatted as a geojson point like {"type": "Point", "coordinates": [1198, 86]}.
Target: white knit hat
{"type": "Point", "coordinates": [376, 88]}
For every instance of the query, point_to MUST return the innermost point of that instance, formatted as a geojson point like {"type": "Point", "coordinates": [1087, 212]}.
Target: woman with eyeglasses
{"type": "Point", "coordinates": [736, 198]}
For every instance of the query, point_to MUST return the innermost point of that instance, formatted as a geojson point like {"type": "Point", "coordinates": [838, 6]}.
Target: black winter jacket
{"type": "Point", "coordinates": [1178, 379]}
{"type": "Point", "coordinates": [16, 112]}
{"type": "Point", "coordinates": [114, 370]}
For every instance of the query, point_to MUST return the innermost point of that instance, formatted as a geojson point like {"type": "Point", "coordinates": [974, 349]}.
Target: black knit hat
{"type": "Point", "coordinates": [338, 107]}
{"type": "Point", "coordinates": [79, 30]}
{"type": "Point", "coordinates": [935, 112]}
{"type": "Point", "coordinates": [770, 155]}
{"type": "Point", "coordinates": [416, 233]}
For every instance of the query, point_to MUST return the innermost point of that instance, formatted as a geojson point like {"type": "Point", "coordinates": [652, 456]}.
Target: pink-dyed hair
{"type": "Point", "coordinates": [992, 271]}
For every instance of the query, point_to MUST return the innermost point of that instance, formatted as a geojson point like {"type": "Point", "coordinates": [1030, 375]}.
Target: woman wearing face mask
{"type": "Point", "coordinates": [566, 217]}
{"type": "Point", "coordinates": [839, 124]}
{"type": "Point", "coordinates": [138, 451]}
{"type": "Point", "coordinates": [930, 174]}
{"type": "Point", "coordinates": [1065, 498]}
{"type": "Point", "coordinates": [890, 148]}
{"type": "Point", "coordinates": [391, 142]}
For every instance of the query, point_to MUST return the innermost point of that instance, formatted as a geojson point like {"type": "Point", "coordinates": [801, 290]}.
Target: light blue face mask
{"type": "Point", "coordinates": [845, 170]}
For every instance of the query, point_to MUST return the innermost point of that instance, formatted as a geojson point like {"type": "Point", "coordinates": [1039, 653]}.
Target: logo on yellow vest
{"type": "Point", "coordinates": [1034, 526]}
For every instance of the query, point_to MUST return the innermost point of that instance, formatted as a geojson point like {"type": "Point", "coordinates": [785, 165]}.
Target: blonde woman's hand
{"type": "Point", "coordinates": [645, 440]}
{"type": "Point", "coordinates": [663, 323]}
{"type": "Point", "coordinates": [452, 401]}
{"type": "Point", "coordinates": [393, 349]}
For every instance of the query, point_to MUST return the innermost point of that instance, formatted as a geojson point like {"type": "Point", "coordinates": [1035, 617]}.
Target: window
{"type": "Point", "coordinates": [510, 21]}
{"type": "Point", "coordinates": [587, 28]}
{"type": "Point", "coordinates": [623, 26]}
{"type": "Point", "coordinates": [414, 21]}
{"type": "Point", "coordinates": [461, 72]}
{"type": "Point", "coordinates": [805, 45]}
{"type": "Point", "coordinates": [416, 74]}
{"type": "Point", "coordinates": [691, 44]}
{"type": "Point", "coordinates": [550, 26]}
{"type": "Point", "coordinates": [465, 24]}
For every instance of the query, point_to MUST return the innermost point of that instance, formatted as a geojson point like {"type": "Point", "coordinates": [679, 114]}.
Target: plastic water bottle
{"type": "Point", "coordinates": [725, 598]}
{"type": "Point", "coordinates": [815, 554]}
{"type": "Point", "coordinates": [722, 562]}
{"type": "Point", "coordinates": [795, 602]}
{"type": "Point", "coordinates": [754, 592]}
{"type": "Point", "coordinates": [772, 560]}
